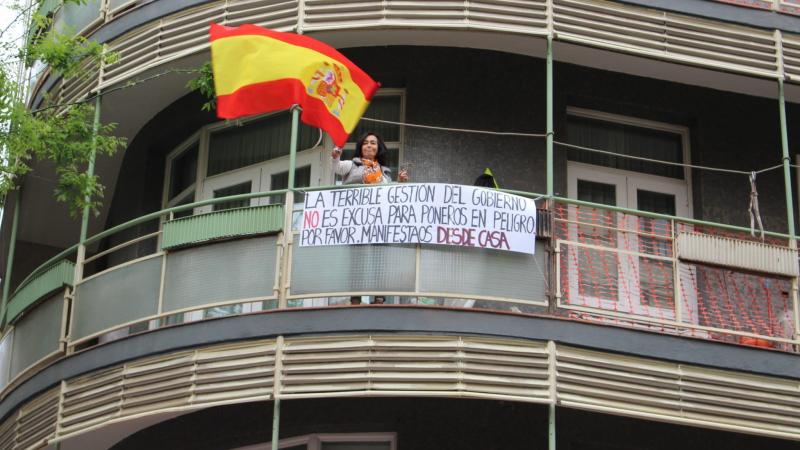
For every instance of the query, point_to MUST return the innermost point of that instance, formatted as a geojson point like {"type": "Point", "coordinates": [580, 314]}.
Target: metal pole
{"type": "Point", "coordinates": [12, 243]}
{"type": "Point", "coordinates": [276, 422]}
{"type": "Point", "coordinates": [551, 427]}
{"type": "Point", "coordinates": [90, 169]}
{"type": "Point", "coordinates": [81, 255]}
{"type": "Point", "coordinates": [549, 66]}
{"type": "Point", "coordinates": [276, 392]}
{"type": "Point", "coordinates": [19, 96]}
{"type": "Point", "coordinates": [293, 145]}
{"type": "Point", "coordinates": [787, 174]}
{"type": "Point", "coordinates": [288, 236]}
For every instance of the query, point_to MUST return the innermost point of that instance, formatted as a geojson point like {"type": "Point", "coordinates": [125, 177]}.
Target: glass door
{"type": "Point", "coordinates": [653, 270]}
{"type": "Point", "coordinates": [623, 262]}
{"type": "Point", "coordinates": [596, 278]}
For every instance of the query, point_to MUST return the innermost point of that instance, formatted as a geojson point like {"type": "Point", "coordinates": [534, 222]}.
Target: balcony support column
{"type": "Point", "coordinates": [276, 389]}
{"type": "Point", "coordinates": [787, 174]}
{"type": "Point", "coordinates": [551, 427]}
{"type": "Point", "coordinates": [12, 244]}
{"type": "Point", "coordinates": [549, 76]}
{"type": "Point", "coordinates": [86, 209]}
{"type": "Point", "coordinates": [288, 235]}
{"type": "Point", "coordinates": [293, 146]}
{"type": "Point", "coordinates": [787, 182]}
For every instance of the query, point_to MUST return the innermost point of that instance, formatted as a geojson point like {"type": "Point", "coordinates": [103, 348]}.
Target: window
{"type": "Point", "coordinates": [182, 171]}
{"type": "Point", "coordinates": [302, 178]}
{"type": "Point", "coordinates": [614, 269]}
{"type": "Point", "coordinates": [626, 139]}
{"type": "Point", "coordinates": [240, 157]}
{"type": "Point", "coordinates": [257, 141]}
{"type": "Point", "coordinates": [342, 441]}
{"type": "Point", "coordinates": [625, 182]}
{"type": "Point", "coordinates": [388, 104]}
{"type": "Point", "coordinates": [241, 188]}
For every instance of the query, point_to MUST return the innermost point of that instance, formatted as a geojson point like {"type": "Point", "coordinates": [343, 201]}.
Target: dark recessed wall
{"type": "Point", "coordinates": [474, 89]}
{"type": "Point", "coordinates": [141, 180]}
{"type": "Point", "coordinates": [420, 423]}
{"type": "Point", "coordinates": [435, 424]}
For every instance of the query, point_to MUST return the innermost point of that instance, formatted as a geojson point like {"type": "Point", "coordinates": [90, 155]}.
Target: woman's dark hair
{"type": "Point", "coordinates": [383, 153]}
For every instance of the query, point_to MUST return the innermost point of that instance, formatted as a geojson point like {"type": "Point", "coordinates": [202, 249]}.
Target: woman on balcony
{"type": "Point", "coordinates": [369, 164]}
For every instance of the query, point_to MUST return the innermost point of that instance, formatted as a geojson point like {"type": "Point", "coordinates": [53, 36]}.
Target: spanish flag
{"type": "Point", "coordinates": [258, 70]}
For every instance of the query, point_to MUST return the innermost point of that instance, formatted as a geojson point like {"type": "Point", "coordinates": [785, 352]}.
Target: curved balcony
{"type": "Point", "coordinates": [647, 315]}
{"type": "Point", "coordinates": [148, 35]}
{"type": "Point", "coordinates": [160, 37]}
{"type": "Point", "coordinates": [239, 263]}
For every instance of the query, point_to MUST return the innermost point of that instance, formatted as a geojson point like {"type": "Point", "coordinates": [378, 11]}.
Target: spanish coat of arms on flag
{"type": "Point", "coordinates": [258, 70]}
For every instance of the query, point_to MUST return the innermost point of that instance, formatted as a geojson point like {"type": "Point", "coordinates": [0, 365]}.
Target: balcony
{"type": "Point", "coordinates": [594, 264]}
{"type": "Point", "coordinates": [602, 267]}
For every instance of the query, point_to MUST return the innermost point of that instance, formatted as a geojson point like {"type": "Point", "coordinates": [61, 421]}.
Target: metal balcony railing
{"type": "Point", "coordinates": [593, 263]}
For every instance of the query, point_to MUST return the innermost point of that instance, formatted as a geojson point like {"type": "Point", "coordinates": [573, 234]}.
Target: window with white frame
{"type": "Point", "coordinates": [629, 183]}
{"type": "Point", "coordinates": [389, 105]}
{"type": "Point", "coordinates": [240, 157]}
{"type": "Point", "coordinates": [333, 441]}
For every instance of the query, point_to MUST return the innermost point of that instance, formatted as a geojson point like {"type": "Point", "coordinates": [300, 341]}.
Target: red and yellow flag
{"type": "Point", "coordinates": [258, 70]}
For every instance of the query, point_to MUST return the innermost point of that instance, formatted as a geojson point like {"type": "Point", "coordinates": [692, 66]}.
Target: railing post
{"type": "Point", "coordinates": [12, 244]}
{"type": "Point", "coordinates": [549, 75]}
{"type": "Point", "coordinates": [288, 235]}
{"type": "Point", "coordinates": [81, 252]}
{"type": "Point", "coordinates": [787, 183]}
{"type": "Point", "coordinates": [293, 146]}
{"type": "Point", "coordinates": [787, 174]}
{"type": "Point", "coordinates": [276, 388]}
{"type": "Point", "coordinates": [676, 274]}
{"type": "Point", "coordinates": [551, 427]}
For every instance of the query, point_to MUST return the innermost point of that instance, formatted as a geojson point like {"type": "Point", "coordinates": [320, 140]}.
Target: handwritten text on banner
{"type": "Point", "coordinates": [420, 213]}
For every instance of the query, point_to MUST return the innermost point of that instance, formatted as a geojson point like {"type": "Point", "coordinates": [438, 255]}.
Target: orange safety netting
{"type": "Point", "coordinates": [625, 264]}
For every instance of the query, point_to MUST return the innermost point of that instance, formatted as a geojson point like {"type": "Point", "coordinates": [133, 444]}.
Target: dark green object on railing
{"type": "Point", "coordinates": [54, 278]}
{"type": "Point", "coordinates": [222, 224]}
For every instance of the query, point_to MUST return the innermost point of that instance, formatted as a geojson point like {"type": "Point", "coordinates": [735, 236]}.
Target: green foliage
{"type": "Point", "coordinates": [205, 84]}
{"type": "Point", "coordinates": [67, 140]}
{"type": "Point", "coordinates": [63, 135]}
{"type": "Point", "coordinates": [66, 54]}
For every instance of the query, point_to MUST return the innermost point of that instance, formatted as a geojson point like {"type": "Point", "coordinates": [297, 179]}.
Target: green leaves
{"type": "Point", "coordinates": [66, 139]}
{"type": "Point", "coordinates": [68, 54]}
{"type": "Point", "coordinates": [205, 84]}
{"type": "Point", "coordinates": [63, 135]}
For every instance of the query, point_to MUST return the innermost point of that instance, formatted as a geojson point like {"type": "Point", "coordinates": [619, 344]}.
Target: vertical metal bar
{"type": "Point", "coordinates": [12, 244]}
{"type": "Point", "coordinates": [549, 71]}
{"type": "Point", "coordinates": [288, 234]}
{"type": "Point", "coordinates": [276, 422]}
{"type": "Point", "coordinates": [293, 146]}
{"type": "Point", "coordinates": [787, 175]}
{"type": "Point", "coordinates": [552, 379]}
{"type": "Point", "coordinates": [276, 388]}
{"type": "Point", "coordinates": [90, 168]}
{"type": "Point", "coordinates": [676, 274]}
{"type": "Point", "coordinates": [19, 96]}
{"type": "Point", "coordinates": [551, 427]}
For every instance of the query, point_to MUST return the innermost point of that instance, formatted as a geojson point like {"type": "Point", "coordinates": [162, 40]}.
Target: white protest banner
{"type": "Point", "coordinates": [407, 213]}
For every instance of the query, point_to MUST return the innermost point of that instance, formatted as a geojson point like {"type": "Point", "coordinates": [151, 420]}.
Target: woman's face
{"type": "Point", "coordinates": [369, 149]}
